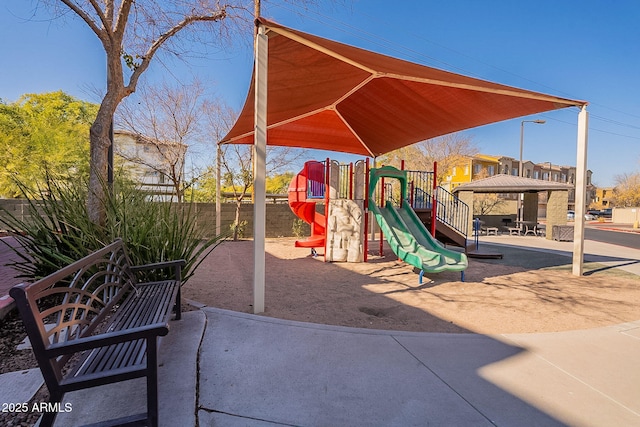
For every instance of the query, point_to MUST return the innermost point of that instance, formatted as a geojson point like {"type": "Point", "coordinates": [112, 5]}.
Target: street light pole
{"type": "Point", "coordinates": [539, 122]}
{"type": "Point", "coordinates": [520, 168]}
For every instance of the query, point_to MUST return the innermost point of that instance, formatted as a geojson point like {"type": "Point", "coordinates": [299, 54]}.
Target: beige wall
{"type": "Point", "coordinates": [626, 215]}
{"type": "Point", "coordinates": [279, 218]}
{"type": "Point", "coordinates": [556, 210]}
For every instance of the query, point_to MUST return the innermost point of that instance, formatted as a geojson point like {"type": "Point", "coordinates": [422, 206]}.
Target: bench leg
{"type": "Point", "coordinates": [178, 307]}
{"type": "Point", "coordinates": [152, 381]}
{"type": "Point", "coordinates": [49, 417]}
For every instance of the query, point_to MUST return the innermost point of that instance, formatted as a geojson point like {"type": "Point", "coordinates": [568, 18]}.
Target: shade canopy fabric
{"type": "Point", "coordinates": [327, 95]}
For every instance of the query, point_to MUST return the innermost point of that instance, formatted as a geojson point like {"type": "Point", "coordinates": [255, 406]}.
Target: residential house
{"type": "Point", "coordinates": [471, 168]}
{"type": "Point", "coordinates": [157, 166]}
{"type": "Point", "coordinates": [483, 166]}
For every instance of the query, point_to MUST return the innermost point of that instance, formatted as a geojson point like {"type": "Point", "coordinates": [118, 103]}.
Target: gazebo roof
{"type": "Point", "coordinates": [511, 184]}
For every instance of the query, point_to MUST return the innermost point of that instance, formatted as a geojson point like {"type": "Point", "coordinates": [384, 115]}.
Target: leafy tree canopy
{"type": "Point", "coordinates": [279, 184]}
{"type": "Point", "coordinates": [40, 133]}
{"type": "Point", "coordinates": [205, 189]}
{"type": "Point", "coordinates": [627, 190]}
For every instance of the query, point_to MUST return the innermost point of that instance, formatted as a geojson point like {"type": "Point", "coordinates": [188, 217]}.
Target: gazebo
{"type": "Point", "coordinates": [311, 92]}
{"type": "Point", "coordinates": [557, 196]}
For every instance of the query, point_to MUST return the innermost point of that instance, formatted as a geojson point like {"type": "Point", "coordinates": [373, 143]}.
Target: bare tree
{"type": "Point", "coordinates": [447, 150]}
{"type": "Point", "coordinates": [170, 117]}
{"type": "Point", "coordinates": [484, 204]}
{"type": "Point", "coordinates": [236, 161]}
{"type": "Point", "coordinates": [132, 33]}
{"type": "Point", "coordinates": [237, 175]}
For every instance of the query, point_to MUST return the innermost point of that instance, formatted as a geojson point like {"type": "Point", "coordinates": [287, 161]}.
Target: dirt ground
{"type": "Point", "coordinates": [524, 292]}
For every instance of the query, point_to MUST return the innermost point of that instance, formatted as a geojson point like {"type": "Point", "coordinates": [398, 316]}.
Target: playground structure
{"type": "Point", "coordinates": [349, 191]}
{"type": "Point", "coordinates": [340, 229]}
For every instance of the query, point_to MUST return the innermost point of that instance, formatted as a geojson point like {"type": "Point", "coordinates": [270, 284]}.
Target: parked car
{"type": "Point", "coordinates": [606, 213]}
{"type": "Point", "coordinates": [571, 216]}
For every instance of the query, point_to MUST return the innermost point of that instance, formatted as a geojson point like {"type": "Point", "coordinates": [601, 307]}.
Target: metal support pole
{"type": "Point", "coordinates": [327, 194]}
{"type": "Point", "coordinates": [218, 190]}
{"type": "Point", "coordinates": [382, 203]}
{"type": "Point", "coordinates": [434, 199]}
{"type": "Point", "coordinates": [581, 192]}
{"type": "Point", "coordinates": [260, 170]}
{"type": "Point", "coordinates": [366, 211]}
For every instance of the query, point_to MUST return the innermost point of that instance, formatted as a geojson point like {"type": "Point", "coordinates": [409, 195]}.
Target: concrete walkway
{"type": "Point", "coordinates": [258, 371]}
{"type": "Point", "coordinates": [224, 368]}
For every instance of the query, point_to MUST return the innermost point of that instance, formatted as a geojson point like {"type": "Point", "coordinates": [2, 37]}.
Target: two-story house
{"type": "Point", "coordinates": [157, 166]}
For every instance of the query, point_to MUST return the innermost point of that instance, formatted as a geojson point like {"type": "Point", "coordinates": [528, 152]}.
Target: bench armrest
{"type": "Point", "coordinates": [176, 264]}
{"type": "Point", "coordinates": [107, 338]}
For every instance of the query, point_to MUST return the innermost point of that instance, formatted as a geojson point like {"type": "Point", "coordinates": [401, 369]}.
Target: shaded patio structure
{"type": "Point", "coordinates": [557, 197]}
{"type": "Point", "coordinates": [311, 92]}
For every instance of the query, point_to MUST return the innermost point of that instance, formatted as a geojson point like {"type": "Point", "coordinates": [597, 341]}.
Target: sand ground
{"type": "Point", "coordinates": [524, 292]}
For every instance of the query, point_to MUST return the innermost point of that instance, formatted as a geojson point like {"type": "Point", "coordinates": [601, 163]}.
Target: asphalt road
{"type": "Point", "coordinates": [629, 240]}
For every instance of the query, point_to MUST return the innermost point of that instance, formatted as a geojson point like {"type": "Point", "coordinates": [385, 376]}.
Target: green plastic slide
{"type": "Point", "coordinates": [406, 234]}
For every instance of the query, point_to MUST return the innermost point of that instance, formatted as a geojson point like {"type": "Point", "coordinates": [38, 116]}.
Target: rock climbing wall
{"type": "Point", "coordinates": [345, 223]}
{"type": "Point", "coordinates": [345, 230]}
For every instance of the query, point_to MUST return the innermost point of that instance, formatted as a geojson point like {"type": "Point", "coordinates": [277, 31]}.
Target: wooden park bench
{"type": "Point", "coordinates": [93, 323]}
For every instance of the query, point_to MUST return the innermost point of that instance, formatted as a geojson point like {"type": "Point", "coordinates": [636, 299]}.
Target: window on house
{"type": "Point", "coordinates": [545, 176]}
{"type": "Point", "coordinates": [536, 174]}
{"type": "Point", "coordinates": [491, 169]}
{"type": "Point", "coordinates": [477, 168]}
{"type": "Point", "coordinates": [466, 170]}
{"type": "Point", "coordinates": [528, 173]}
{"type": "Point", "coordinates": [514, 171]}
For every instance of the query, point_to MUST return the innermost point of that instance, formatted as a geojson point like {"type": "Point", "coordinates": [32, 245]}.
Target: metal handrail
{"type": "Point", "coordinates": [452, 211]}
{"type": "Point", "coordinates": [449, 209]}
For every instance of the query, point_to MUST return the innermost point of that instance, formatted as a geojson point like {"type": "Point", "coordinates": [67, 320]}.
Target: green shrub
{"type": "Point", "coordinates": [298, 227]}
{"type": "Point", "coordinates": [60, 232]}
{"type": "Point", "coordinates": [237, 230]}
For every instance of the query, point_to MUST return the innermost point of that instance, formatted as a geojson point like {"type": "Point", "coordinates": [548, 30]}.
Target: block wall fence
{"type": "Point", "coordinates": [279, 218]}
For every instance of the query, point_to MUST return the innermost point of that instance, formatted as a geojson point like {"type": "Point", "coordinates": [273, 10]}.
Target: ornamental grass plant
{"type": "Point", "coordinates": [58, 230]}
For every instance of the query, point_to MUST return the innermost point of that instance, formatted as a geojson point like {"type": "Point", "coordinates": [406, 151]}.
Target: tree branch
{"type": "Point", "coordinates": [123, 17]}
{"type": "Point", "coordinates": [87, 19]}
{"type": "Point", "coordinates": [104, 18]}
{"type": "Point", "coordinates": [148, 56]}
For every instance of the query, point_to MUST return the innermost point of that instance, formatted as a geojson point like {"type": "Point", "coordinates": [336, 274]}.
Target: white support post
{"type": "Point", "coordinates": [218, 190]}
{"type": "Point", "coordinates": [260, 171]}
{"type": "Point", "coordinates": [581, 192]}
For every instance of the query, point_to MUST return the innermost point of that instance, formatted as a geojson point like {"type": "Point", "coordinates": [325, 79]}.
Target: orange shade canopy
{"type": "Point", "coordinates": [327, 95]}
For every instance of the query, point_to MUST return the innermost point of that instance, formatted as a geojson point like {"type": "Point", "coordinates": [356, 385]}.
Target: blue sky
{"type": "Point", "coordinates": [581, 49]}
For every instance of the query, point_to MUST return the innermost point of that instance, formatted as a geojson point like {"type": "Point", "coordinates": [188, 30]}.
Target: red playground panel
{"type": "Point", "coordinates": [306, 188]}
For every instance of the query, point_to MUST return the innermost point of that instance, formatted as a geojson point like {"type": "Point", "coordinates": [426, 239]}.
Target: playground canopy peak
{"type": "Point", "coordinates": [323, 94]}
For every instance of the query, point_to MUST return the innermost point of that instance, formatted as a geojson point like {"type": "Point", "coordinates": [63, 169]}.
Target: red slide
{"type": "Point", "coordinates": [309, 180]}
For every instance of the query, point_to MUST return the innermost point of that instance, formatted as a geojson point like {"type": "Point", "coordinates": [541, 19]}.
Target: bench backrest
{"type": "Point", "coordinates": [72, 302]}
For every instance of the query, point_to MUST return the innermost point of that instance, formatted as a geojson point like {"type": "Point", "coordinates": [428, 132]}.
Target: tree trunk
{"type": "Point", "coordinates": [236, 221]}
{"type": "Point", "coordinates": [99, 151]}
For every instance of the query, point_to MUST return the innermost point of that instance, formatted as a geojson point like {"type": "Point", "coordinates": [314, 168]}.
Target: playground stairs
{"type": "Point", "coordinates": [444, 232]}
